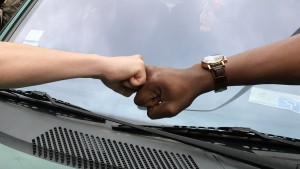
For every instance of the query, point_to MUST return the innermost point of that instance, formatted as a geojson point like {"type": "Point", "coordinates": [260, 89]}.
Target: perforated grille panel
{"type": "Point", "coordinates": [81, 150]}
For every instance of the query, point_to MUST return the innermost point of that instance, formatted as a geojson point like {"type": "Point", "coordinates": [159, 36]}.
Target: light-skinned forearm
{"type": "Point", "coordinates": [24, 65]}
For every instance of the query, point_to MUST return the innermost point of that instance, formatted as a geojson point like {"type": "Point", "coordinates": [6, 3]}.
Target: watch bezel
{"type": "Point", "coordinates": [207, 64]}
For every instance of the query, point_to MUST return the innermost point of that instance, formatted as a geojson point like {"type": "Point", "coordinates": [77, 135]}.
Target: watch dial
{"type": "Point", "coordinates": [213, 59]}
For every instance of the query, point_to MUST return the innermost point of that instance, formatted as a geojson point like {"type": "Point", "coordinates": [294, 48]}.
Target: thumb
{"type": "Point", "coordinates": [138, 79]}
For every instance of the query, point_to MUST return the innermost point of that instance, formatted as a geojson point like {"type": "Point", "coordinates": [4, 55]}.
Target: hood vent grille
{"type": "Point", "coordinates": [81, 150]}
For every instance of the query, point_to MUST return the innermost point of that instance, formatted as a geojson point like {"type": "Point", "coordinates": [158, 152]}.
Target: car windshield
{"type": "Point", "coordinates": [170, 33]}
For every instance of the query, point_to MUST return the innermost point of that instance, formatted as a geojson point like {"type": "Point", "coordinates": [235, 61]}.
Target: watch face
{"type": "Point", "coordinates": [213, 59]}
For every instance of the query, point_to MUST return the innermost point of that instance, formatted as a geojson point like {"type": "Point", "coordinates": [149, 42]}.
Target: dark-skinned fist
{"type": "Point", "coordinates": [168, 91]}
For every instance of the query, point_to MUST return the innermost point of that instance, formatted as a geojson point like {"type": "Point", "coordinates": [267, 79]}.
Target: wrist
{"type": "Point", "coordinates": [87, 65]}
{"type": "Point", "coordinates": [98, 66]}
{"type": "Point", "coordinates": [202, 79]}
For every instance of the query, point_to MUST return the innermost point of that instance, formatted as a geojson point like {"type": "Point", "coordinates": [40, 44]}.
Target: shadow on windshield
{"type": "Point", "coordinates": [8, 9]}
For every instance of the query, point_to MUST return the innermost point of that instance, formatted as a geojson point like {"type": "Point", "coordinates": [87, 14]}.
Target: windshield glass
{"type": "Point", "coordinates": [172, 33]}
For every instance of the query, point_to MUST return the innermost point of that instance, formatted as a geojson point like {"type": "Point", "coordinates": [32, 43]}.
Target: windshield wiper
{"type": "Point", "coordinates": [41, 96]}
{"type": "Point", "coordinates": [235, 137]}
{"type": "Point", "coordinates": [242, 156]}
{"type": "Point", "coordinates": [227, 132]}
{"type": "Point", "coordinates": [70, 110]}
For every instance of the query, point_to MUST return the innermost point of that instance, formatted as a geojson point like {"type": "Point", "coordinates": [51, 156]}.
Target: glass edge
{"type": "Point", "coordinates": [13, 24]}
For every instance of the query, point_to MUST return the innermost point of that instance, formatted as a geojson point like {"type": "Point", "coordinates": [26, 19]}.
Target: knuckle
{"type": "Point", "coordinates": [137, 101]}
{"type": "Point", "coordinates": [139, 56]}
{"type": "Point", "coordinates": [151, 116]}
{"type": "Point", "coordinates": [172, 111]}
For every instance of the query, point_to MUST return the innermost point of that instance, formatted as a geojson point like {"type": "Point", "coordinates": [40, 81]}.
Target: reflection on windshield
{"type": "Point", "coordinates": [8, 8]}
{"type": "Point", "coordinates": [209, 7]}
{"type": "Point", "coordinates": [174, 33]}
{"type": "Point", "coordinates": [170, 4]}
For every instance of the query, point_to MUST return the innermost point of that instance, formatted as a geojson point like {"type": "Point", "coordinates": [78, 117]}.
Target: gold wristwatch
{"type": "Point", "coordinates": [216, 65]}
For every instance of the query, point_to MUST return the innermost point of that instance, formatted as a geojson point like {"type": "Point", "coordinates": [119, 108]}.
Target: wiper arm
{"type": "Point", "coordinates": [242, 156]}
{"type": "Point", "coordinates": [42, 97]}
{"type": "Point", "coordinates": [270, 137]}
{"type": "Point", "coordinates": [241, 133]}
{"type": "Point", "coordinates": [240, 138]}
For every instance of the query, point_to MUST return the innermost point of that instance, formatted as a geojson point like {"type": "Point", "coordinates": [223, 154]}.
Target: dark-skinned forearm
{"type": "Point", "coordinates": [276, 63]}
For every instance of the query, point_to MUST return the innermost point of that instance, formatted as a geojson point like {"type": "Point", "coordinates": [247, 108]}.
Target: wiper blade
{"type": "Point", "coordinates": [42, 97]}
{"type": "Point", "coordinates": [242, 156]}
{"type": "Point", "coordinates": [241, 133]}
